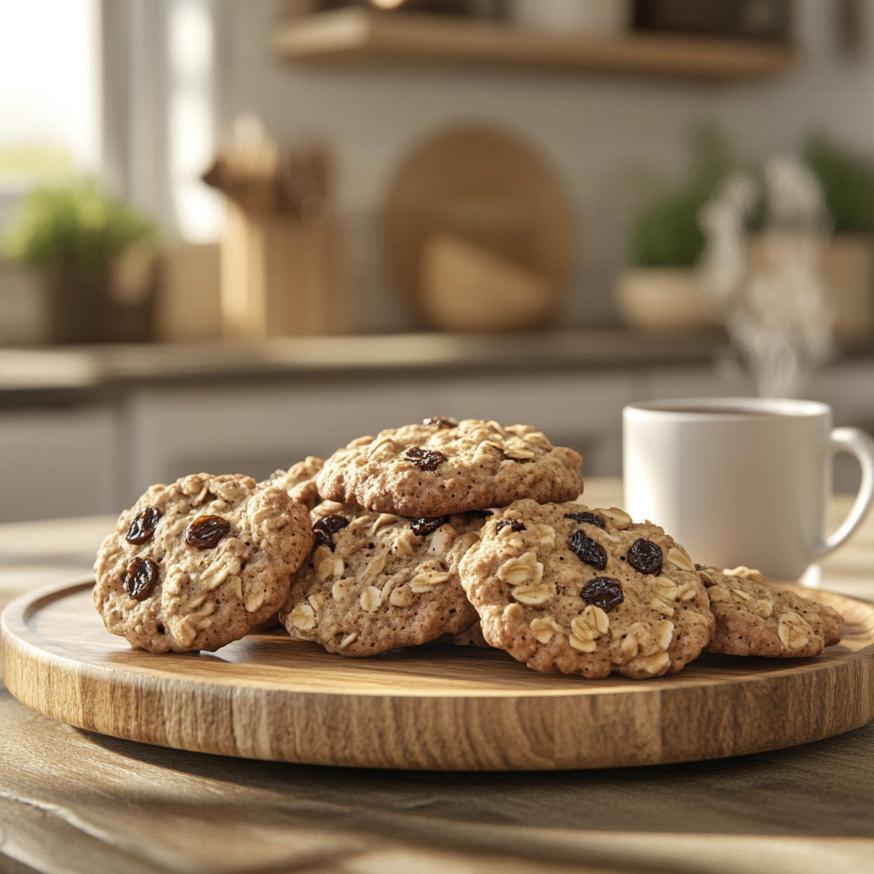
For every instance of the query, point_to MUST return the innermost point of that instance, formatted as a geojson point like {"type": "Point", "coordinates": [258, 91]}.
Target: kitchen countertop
{"type": "Point", "coordinates": [75, 372]}
{"type": "Point", "coordinates": [73, 801]}
{"type": "Point", "coordinates": [100, 368]}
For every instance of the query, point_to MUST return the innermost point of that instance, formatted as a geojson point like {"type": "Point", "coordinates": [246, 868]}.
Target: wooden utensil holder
{"type": "Point", "coordinates": [280, 275]}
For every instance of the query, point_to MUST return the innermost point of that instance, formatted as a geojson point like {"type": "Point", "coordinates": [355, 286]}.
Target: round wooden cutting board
{"type": "Point", "coordinates": [435, 708]}
{"type": "Point", "coordinates": [478, 231]}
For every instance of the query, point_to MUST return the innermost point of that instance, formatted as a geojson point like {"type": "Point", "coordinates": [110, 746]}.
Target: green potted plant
{"type": "Point", "coordinates": [97, 257]}
{"type": "Point", "coordinates": [847, 181]}
{"type": "Point", "coordinates": [660, 288]}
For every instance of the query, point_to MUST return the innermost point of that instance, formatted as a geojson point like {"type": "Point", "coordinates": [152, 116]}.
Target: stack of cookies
{"type": "Point", "coordinates": [466, 532]}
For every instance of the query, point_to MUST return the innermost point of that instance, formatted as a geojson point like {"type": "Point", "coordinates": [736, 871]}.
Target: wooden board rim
{"type": "Point", "coordinates": [388, 723]}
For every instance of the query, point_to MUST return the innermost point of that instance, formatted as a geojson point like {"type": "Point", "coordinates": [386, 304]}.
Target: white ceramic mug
{"type": "Point", "coordinates": [742, 481]}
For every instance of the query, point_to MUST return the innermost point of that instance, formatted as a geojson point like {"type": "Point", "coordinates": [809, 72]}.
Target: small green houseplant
{"type": "Point", "coordinates": [847, 181]}
{"type": "Point", "coordinates": [660, 289]}
{"type": "Point", "coordinates": [97, 256]}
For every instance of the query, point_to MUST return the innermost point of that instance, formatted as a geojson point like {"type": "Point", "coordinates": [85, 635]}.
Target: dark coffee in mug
{"type": "Point", "coordinates": [724, 411]}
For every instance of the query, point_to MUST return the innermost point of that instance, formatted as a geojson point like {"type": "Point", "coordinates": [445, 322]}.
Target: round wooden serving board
{"type": "Point", "coordinates": [434, 708]}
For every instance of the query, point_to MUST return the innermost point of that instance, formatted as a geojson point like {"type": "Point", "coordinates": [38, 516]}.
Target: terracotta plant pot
{"type": "Point", "coordinates": [848, 277]}
{"type": "Point", "coordinates": [112, 305]}
{"type": "Point", "coordinates": [668, 298]}
{"type": "Point", "coordinates": [846, 264]}
{"type": "Point", "coordinates": [665, 299]}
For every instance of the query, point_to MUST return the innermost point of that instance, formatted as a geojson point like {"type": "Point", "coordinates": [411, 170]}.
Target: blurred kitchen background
{"type": "Point", "coordinates": [235, 233]}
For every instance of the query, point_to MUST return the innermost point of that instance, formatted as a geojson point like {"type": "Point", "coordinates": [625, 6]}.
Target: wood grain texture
{"type": "Point", "coordinates": [436, 708]}
{"type": "Point", "coordinates": [76, 802]}
{"type": "Point", "coordinates": [360, 37]}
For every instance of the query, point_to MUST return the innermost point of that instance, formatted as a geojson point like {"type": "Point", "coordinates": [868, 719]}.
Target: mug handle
{"type": "Point", "coordinates": [855, 442]}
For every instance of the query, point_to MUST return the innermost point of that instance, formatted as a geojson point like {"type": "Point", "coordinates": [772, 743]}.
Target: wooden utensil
{"type": "Point", "coordinates": [432, 708]}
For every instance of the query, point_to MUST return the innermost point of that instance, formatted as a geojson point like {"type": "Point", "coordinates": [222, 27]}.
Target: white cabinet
{"type": "Point", "coordinates": [57, 462]}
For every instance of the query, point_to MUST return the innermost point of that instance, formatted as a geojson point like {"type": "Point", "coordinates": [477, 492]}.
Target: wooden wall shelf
{"type": "Point", "coordinates": [355, 36]}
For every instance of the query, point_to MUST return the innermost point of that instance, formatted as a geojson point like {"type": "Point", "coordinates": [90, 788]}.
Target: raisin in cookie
{"type": "Point", "coordinates": [442, 466]}
{"type": "Point", "coordinates": [299, 480]}
{"type": "Point", "coordinates": [755, 618]}
{"type": "Point", "coordinates": [377, 582]}
{"type": "Point", "coordinates": [562, 587]}
{"type": "Point", "coordinates": [197, 564]}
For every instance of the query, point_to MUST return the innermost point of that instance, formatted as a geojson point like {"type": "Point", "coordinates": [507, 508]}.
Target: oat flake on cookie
{"type": "Point", "coordinates": [197, 564]}
{"type": "Point", "coordinates": [378, 581]}
{"type": "Point", "coordinates": [756, 618]}
{"type": "Point", "coordinates": [442, 466]}
{"type": "Point", "coordinates": [579, 590]}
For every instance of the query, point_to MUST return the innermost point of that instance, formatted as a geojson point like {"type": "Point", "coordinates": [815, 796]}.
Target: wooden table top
{"type": "Point", "coordinates": [71, 801]}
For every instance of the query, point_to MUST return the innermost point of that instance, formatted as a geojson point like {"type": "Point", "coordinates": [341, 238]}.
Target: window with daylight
{"type": "Point", "coordinates": [50, 93]}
